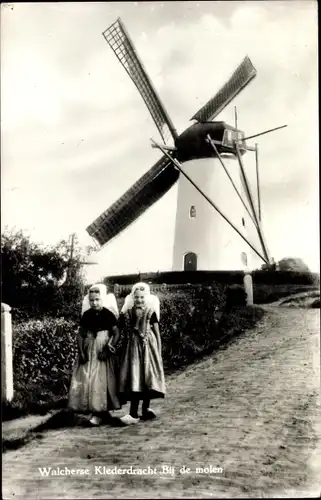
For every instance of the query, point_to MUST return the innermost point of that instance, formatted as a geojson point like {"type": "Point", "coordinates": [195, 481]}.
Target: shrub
{"type": "Point", "coordinates": [43, 357]}
{"type": "Point", "coordinates": [235, 297]}
{"type": "Point", "coordinates": [195, 323]}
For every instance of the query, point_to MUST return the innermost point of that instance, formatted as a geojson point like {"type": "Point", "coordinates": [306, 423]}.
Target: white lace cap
{"type": "Point", "coordinates": [151, 300]}
{"type": "Point", "coordinates": [108, 299]}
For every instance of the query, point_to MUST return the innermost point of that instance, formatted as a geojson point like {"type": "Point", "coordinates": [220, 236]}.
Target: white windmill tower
{"type": "Point", "coordinates": [207, 160]}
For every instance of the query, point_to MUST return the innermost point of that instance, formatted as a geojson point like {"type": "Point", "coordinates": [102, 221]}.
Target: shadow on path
{"type": "Point", "coordinates": [67, 418]}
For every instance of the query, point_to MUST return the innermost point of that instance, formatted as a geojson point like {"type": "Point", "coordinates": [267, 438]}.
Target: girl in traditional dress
{"type": "Point", "coordinates": [141, 371]}
{"type": "Point", "coordinates": [93, 384]}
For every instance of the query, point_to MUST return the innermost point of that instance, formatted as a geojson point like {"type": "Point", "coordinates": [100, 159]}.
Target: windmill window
{"type": "Point", "coordinates": [192, 212]}
{"type": "Point", "coordinates": [243, 222]}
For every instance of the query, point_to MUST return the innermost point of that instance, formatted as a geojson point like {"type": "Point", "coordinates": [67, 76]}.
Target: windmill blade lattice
{"type": "Point", "coordinates": [120, 42]}
{"type": "Point", "coordinates": [240, 78]}
{"type": "Point", "coordinates": [137, 199]}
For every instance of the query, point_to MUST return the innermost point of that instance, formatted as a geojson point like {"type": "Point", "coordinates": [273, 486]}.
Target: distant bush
{"type": "Point", "coordinates": [293, 264]}
{"type": "Point", "coordinates": [266, 294]}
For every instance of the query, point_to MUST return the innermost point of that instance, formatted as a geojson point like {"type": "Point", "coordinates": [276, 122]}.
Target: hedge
{"type": "Point", "coordinates": [43, 357]}
{"type": "Point", "coordinates": [260, 277]}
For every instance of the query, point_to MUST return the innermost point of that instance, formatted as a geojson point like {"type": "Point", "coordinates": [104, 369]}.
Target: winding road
{"type": "Point", "coordinates": [244, 422]}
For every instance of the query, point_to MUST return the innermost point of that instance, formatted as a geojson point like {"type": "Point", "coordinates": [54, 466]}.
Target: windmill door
{"type": "Point", "coordinates": [190, 262]}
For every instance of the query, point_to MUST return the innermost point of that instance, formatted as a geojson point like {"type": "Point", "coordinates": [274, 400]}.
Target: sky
{"type": "Point", "coordinates": [75, 133]}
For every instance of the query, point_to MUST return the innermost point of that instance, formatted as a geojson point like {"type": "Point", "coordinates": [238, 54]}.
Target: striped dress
{"type": "Point", "coordinates": [141, 369]}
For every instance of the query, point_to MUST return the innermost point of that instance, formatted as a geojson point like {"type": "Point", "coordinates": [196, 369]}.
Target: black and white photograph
{"type": "Point", "coordinates": [160, 250]}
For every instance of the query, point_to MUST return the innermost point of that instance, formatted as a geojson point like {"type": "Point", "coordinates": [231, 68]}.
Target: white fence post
{"type": "Point", "coordinates": [6, 353]}
{"type": "Point", "coordinates": [247, 279]}
{"type": "Point", "coordinates": [248, 287]}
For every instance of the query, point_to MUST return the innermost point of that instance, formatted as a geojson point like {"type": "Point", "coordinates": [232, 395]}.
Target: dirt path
{"type": "Point", "coordinates": [252, 409]}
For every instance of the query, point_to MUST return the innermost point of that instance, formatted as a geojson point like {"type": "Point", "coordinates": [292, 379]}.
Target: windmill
{"type": "Point", "coordinates": [202, 245]}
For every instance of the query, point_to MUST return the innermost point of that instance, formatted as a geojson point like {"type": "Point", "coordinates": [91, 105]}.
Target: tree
{"type": "Point", "coordinates": [293, 264]}
{"type": "Point", "coordinates": [34, 277]}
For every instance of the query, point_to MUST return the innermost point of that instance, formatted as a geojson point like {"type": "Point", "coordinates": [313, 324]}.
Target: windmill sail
{"type": "Point", "coordinates": [240, 78]}
{"type": "Point", "coordinates": [118, 39]}
{"type": "Point", "coordinates": [141, 196]}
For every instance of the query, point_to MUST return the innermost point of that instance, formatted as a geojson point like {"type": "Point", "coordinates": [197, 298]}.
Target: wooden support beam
{"type": "Point", "coordinates": [212, 143]}
{"type": "Point", "coordinates": [250, 199]}
{"type": "Point", "coordinates": [177, 164]}
{"type": "Point", "coordinates": [258, 181]}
